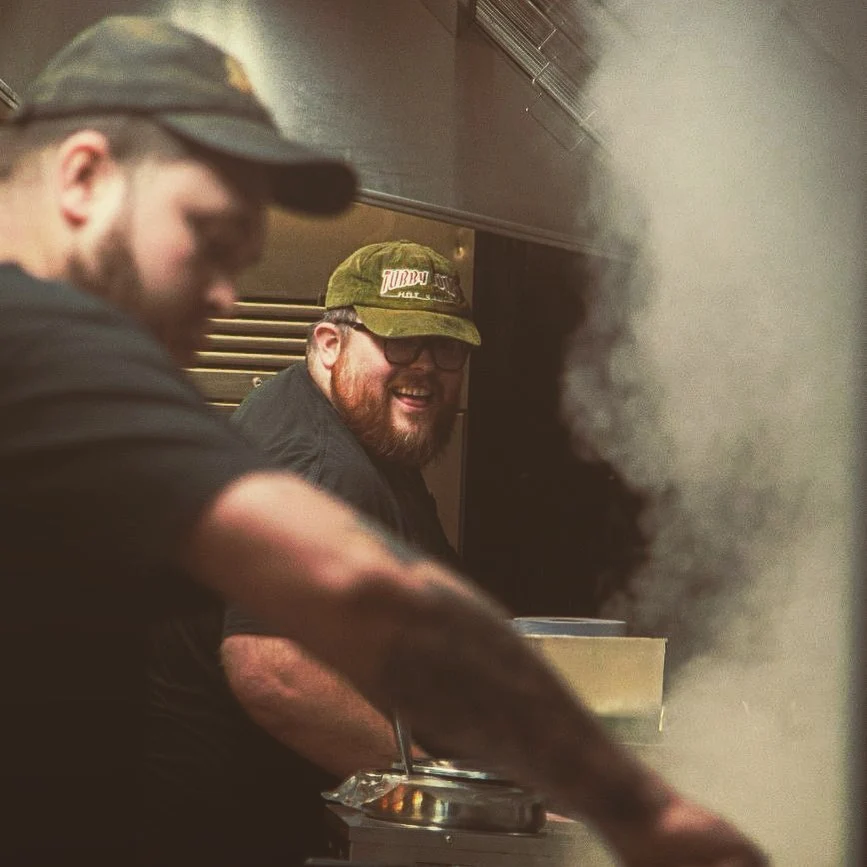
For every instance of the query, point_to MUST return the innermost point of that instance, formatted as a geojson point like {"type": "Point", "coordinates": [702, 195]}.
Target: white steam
{"type": "Point", "coordinates": [717, 372]}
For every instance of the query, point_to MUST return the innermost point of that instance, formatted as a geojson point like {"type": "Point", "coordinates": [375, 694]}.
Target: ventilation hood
{"type": "Point", "coordinates": [422, 97]}
{"type": "Point", "coordinates": [8, 99]}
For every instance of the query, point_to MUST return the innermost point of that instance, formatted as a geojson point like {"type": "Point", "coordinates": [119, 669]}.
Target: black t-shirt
{"type": "Point", "coordinates": [108, 456]}
{"type": "Point", "coordinates": [292, 421]}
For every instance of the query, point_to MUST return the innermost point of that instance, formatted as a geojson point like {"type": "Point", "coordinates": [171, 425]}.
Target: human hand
{"type": "Point", "coordinates": [683, 834]}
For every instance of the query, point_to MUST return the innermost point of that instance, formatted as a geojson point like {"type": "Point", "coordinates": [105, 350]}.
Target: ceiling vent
{"type": "Point", "coordinates": [552, 42]}
{"type": "Point", "coordinates": [8, 99]}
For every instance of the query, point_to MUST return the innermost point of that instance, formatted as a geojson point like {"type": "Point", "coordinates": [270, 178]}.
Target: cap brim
{"type": "Point", "coordinates": [417, 323]}
{"type": "Point", "coordinates": [302, 179]}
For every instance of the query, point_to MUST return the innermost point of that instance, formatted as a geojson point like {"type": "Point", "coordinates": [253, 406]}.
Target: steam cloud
{"type": "Point", "coordinates": [717, 372]}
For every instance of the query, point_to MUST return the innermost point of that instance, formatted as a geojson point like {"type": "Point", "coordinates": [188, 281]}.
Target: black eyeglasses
{"type": "Point", "coordinates": [447, 353]}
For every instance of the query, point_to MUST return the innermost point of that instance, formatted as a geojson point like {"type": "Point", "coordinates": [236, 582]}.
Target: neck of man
{"type": "Point", "coordinates": [320, 375]}
{"type": "Point", "coordinates": [26, 236]}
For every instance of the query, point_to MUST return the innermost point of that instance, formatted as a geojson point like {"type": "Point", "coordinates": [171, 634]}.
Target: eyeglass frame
{"type": "Point", "coordinates": [431, 342]}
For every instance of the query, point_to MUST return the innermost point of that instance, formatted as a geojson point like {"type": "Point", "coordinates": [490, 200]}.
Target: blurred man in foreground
{"type": "Point", "coordinates": [135, 177]}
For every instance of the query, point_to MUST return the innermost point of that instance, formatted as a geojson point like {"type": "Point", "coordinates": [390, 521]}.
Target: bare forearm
{"type": "Point", "coordinates": [486, 696]}
{"type": "Point", "coordinates": [409, 635]}
{"type": "Point", "coordinates": [471, 686]}
{"type": "Point", "coordinates": [297, 560]}
{"type": "Point", "coordinates": [306, 706]}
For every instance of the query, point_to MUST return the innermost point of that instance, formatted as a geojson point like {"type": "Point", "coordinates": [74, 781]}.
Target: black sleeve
{"type": "Point", "coordinates": [108, 455]}
{"type": "Point", "coordinates": [307, 444]}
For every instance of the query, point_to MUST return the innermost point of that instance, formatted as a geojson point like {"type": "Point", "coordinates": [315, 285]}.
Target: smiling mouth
{"type": "Point", "coordinates": [413, 397]}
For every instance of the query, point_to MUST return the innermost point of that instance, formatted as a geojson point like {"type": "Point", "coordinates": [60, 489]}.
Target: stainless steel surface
{"type": "Point", "coordinates": [363, 786]}
{"type": "Point", "coordinates": [442, 794]}
{"type": "Point", "coordinates": [617, 678]}
{"type": "Point", "coordinates": [569, 626]}
{"type": "Point", "coordinates": [461, 130]}
{"type": "Point", "coordinates": [353, 835]}
{"type": "Point", "coordinates": [404, 742]}
{"type": "Point", "coordinates": [444, 803]}
{"type": "Point", "coordinates": [453, 769]}
{"type": "Point", "coordinates": [454, 131]}
{"type": "Point", "coordinates": [8, 97]}
{"type": "Point", "coordinates": [552, 44]}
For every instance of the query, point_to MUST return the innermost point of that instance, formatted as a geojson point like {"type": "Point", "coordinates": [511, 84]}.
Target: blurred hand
{"type": "Point", "coordinates": [686, 835]}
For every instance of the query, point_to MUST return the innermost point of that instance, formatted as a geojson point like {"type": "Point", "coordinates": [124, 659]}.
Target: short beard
{"type": "Point", "coordinates": [114, 278]}
{"type": "Point", "coordinates": [368, 416]}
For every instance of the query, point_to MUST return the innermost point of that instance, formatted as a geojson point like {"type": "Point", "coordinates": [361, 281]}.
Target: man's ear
{"type": "Point", "coordinates": [329, 340]}
{"type": "Point", "coordinates": [83, 165]}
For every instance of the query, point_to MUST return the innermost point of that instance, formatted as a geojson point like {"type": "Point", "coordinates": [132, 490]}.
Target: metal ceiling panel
{"type": "Point", "coordinates": [437, 123]}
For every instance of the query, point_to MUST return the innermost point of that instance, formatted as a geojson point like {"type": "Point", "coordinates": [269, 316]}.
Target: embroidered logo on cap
{"type": "Point", "coordinates": [420, 284]}
{"type": "Point", "coordinates": [235, 75]}
{"type": "Point", "coordinates": [143, 28]}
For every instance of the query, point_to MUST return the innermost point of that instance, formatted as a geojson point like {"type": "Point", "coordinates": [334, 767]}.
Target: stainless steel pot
{"type": "Point", "coordinates": [442, 802]}
{"type": "Point", "coordinates": [442, 794]}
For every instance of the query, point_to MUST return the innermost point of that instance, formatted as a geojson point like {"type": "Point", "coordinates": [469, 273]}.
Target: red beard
{"type": "Point", "coordinates": [366, 409]}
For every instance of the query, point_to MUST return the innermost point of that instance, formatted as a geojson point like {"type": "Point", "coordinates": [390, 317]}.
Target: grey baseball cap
{"type": "Point", "coordinates": [148, 66]}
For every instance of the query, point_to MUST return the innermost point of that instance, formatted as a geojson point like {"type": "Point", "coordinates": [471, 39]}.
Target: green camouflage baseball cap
{"type": "Point", "coordinates": [403, 289]}
{"type": "Point", "coordinates": [148, 66]}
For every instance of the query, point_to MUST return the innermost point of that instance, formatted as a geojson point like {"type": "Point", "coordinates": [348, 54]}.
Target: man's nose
{"type": "Point", "coordinates": [425, 360]}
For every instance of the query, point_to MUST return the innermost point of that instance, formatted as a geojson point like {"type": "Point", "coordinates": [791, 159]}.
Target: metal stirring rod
{"type": "Point", "coordinates": [404, 741]}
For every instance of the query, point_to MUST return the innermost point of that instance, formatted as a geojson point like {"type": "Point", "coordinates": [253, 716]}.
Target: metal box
{"type": "Point", "coordinates": [619, 678]}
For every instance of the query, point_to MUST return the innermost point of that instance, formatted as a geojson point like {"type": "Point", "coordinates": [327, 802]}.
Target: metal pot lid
{"type": "Point", "coordinates": [432, 802]}
{"type": "Point", "coordinates": [453, 769]}
{"type": "Point", "coordinates": [581, 626]}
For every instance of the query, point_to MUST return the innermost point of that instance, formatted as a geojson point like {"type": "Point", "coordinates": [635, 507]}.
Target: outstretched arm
{"type": "Point", "coordinates": [411, 635]}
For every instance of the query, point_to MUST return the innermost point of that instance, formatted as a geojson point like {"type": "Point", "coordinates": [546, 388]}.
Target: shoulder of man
{"type": "Point", "coordinates": [271, 414]}
{"type": "Point", "coordinates": [24, 297]}
{"type": "Point", "coordinates": [299, 430]}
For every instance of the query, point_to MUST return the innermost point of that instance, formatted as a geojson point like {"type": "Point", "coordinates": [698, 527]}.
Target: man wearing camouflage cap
{"type": "Point", "coordinates": [133, 186]}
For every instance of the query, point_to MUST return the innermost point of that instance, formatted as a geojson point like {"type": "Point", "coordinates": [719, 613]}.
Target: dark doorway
{"type": "Point", "coordinates": [545, 531]}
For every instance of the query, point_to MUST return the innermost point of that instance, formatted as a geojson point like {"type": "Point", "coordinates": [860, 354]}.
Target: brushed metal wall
{"type": "Point", "coordinates": [436, 124]}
